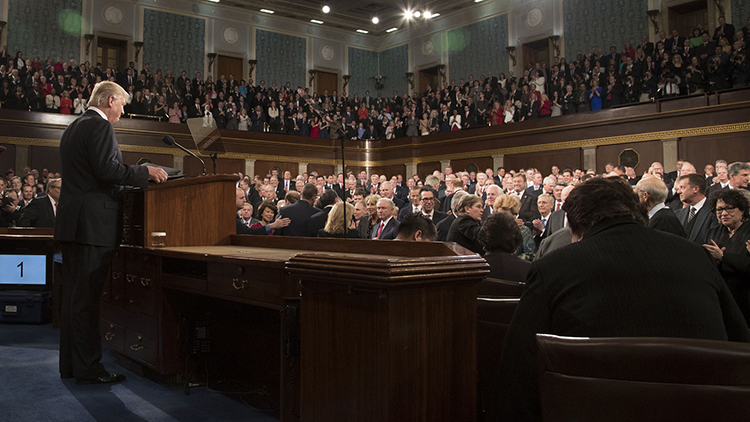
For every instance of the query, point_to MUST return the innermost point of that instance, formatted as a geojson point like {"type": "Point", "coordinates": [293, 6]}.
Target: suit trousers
{"type": "Point", "coordinates": [84, 270]}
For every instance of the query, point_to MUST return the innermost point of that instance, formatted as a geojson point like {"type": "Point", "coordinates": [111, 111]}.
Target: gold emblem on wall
{"type": "Point", "coordinates": [629, 158]}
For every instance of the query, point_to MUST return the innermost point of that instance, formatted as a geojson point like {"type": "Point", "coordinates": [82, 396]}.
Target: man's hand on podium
{"type": "Point", "coordinates": [157, 174]}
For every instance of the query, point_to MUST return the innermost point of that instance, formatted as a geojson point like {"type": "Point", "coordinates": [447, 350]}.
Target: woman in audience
{"type": "Point", "coordinates": [79, 104]}
{"type": "Point", "coordinates": [727, 244]}
{"type": "Point", "coordinates": [66, 104]}
{"type": "Point", "coordinates": [53, 102]}
{"type": "Point", "coordinates": [371, 203]}
{"type": "Point", "coordinates": [335, 224]}
{"type": "Point", "coordinates": [556, 106]}
{"type": "Point", "coordinates": [267, 215]}
{"type": "Point", "coordinates": [595, 96]}
{"type": "Point", "coordinates": [510, 204]}
{"type": "Point", "coordinates": [545, 106]}
{"type": "Point", "coordinates": [424, 125]}
{"type": "Point", "coordinates": [175, 114]}
{"type": "Point", "coordinates": [501, 236]}
{"type": "Point", "coordinates": [160, 108]}
{"type": "Point", "coordinates": [465, 229]}
{"type": "Point", "coordinates": [697, 38]}
{"type": "Point", "coordinates": [455, 120]}
{"type": "Point", "coordinates": [509, 112]}
{"type": "Point", "coordinates": [315, 127]}
{"type": "Point", "coordinates": [496, 114]}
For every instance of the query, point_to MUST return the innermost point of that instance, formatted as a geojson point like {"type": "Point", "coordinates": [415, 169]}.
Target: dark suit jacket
{"type": "Point", "coordinates": [673, 291]}
{"type": "Point", "coordinates": [92, 165]}
{"type": "Point", "coordinates": [735, 264]}
{"type": "Point", "coordinates": [444, 227]}
{"type": "Point", "coordinates": [299, 213]}
{"type": "Point", "coordinates": [389, 231]}
{"type": "Point", "coordinates": [506, 266]}
{"type": "Point", "coordinates": [464, 231]}
{"type": "Point", "coordinates": [665, 220]}
{"type": "Point", "coordinates": [38, 213]}
{"type": "Point", "coordinates": [529, 210]}
{"type": "Point", "coordinates": [555, 223]}
{"type": "Point", "coordinates": [406, 210]}
{"type": "Point", "coordinates": [705, 221]}
{"type": "Point", "coordinates": [438, 216]}
{"type": "Point", "coordinates": [318, 221]}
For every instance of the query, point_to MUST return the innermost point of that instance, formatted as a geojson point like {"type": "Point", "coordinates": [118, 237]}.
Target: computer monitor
{"type": "Point", "coordinates": [27, 265]}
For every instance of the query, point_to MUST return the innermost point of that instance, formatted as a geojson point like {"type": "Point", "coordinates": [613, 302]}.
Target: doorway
{"type": "Point", "coordinates": [687, 16]}
{"type": "Point", "coordinates": [229, 66]}
{"type": "Point", "coordinates": [112, 53]}
{"type": "Point", "coordinates": [429, 77]}
{"type": "Point", "coordinates": [327, 81]}
{"type": "Point", "coordinates": [535, 52]}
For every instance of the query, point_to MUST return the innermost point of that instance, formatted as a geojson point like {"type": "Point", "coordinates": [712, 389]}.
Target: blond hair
{"type": "Point", "coordinates": [335, 223]}
{"type": "Point", "coordinates": [507, 202]}
{"type": "Point", "coordinates": [103, 90]}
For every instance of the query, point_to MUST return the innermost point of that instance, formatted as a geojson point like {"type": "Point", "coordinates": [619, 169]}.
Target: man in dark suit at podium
{"type": "Point", "coordinates": [300, 212]}
{"type": "Point", "coordinates": [41, 211]}
{"type": "Point", "coordinates": [87, 224]}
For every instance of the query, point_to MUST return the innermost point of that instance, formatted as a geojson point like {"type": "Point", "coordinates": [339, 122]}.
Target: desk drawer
{"type": "Point", "coordinates": [246, 282]}
{"type": "Point", "coordinates": [113, 334]}
{"type": "Point", "coordinates": [140, 347]}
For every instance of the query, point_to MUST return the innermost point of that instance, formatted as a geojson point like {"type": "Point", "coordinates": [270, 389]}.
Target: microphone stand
{"type": "Point", "coordinates": [203, 163]}
{"type": "Point", "coordinates": [214, 156]}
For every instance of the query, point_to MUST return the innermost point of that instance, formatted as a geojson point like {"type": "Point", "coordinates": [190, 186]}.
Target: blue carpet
{"type": "Point", "coordinates": [31, 390]}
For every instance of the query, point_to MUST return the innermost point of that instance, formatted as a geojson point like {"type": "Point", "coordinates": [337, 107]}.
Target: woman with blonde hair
{"type": "Point", "coordinates": [371, 203]}
{"type": "Point", "coordinates": [335, 224]}
{"type": "Point", "coordinates": [465, 228]}
{"type": "Point", "coordinates": [512, 205]}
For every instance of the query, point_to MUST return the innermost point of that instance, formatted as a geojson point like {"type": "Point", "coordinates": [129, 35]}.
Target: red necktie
{"type": "Point", "coordinates": [557, 207]}
{"type": "Point", "coordinates": [380, 229]}
{"type": "Point", "coordinates": [429, 216]}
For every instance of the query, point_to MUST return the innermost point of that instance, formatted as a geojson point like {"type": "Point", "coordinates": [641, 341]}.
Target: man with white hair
{"type": "Point", "coordinates": [87, 227]}
{"type": "Point", "coordinates": [651, 194]}
{"type": "Point", "coordinates": [493, 191]}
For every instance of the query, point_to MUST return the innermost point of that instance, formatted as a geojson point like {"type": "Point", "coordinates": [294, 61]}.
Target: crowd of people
{"type": "Point", "coordinates": [29, 200]}
{"type": "Point", "coordinates": [676, 64]}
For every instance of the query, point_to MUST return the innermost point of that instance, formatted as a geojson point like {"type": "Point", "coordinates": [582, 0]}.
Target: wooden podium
{"type": "Point", "coordinates": [388, 338]}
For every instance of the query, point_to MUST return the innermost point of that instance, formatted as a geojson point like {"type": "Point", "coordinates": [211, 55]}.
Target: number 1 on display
{"type": "Point", "coordinates": [21, 266]}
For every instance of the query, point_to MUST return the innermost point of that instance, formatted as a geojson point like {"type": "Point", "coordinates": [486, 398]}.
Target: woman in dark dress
{"type": "Point", "coordinates": [501, 237]}
{"type": "Point", "coordinates": [727, 244]}
{"type": "Point", "coordinates": [335, 223]}
{"type": "Point", "coordinates": [465, 228]}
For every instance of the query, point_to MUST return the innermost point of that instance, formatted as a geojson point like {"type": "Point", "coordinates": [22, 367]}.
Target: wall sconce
{"type": "Point", "coordinates": [252, 64]}
{"type": "Point", "coordinates": [312, 73]}
{"type": "Point", "coordinates": [652, 14]}
{"type": "Point", "coordinates": [441, 71]}
{"type": "Point", "coordinates": [720, 7]}
{"type": "Point", "coordinates": [211, 58]}
{"type": "Point", "coordinates": [555, 40]}
{"type": "Point", "coordinates": [138, 45]}
{"type": "Point", "coordinates": [512, 53]}
{"type": "Point", "coordinates": [88, 38]}
{"type": "Point", "coordinates": [346, 80]}
{"type": "Point", "coordinates": [2, 26]}
{"type": "Point", "coordinates": [410, 78]}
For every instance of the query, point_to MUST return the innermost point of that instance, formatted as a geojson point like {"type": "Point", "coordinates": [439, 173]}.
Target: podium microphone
{"type": "Point", "coordinates": [171, 142]}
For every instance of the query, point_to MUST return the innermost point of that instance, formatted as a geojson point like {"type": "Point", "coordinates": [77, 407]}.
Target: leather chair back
{"type": "Point", "coordinates": [643, 379]}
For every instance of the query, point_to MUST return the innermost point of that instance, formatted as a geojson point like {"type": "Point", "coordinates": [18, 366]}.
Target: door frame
{"type": "Point", "coordinates": [521, 62]}
{"type": "Point", "coordinates": [337, 72]}
{"type": "Point", "coordinates": [128, 44]}
{"type": "Point", "coordinates": [232, 54]}
{"type": "Point", "coordinates": [417, 87]}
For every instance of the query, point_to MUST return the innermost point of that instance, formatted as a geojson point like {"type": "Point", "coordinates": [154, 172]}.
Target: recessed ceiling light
{"type": "Point", "coordinates": [214, 1]}
{"type": "Point", "coordinates": [391, 30]}
{"type": "Point", "coordinates": [427, 15]}
{"type": "Point", "coordinates": [409, 14]}
{"type": "Point", "coordinates": [362, 31]}
{"type": "Point", "coordinates": [375, 20]}
{"type": "Point", "coordinates": [267, 11]}
{"type": "Point", "coordinates": [316, 21]}
{"type": "Point", "coordinates": [417, 14]}
{"type": "Point", "coordinates": [326, 9]}
{"type": "Point", "coordinates": [478, 1]}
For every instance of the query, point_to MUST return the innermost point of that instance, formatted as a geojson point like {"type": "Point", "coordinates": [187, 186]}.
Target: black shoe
{"type": "Point", "coordinates": [107, 378]}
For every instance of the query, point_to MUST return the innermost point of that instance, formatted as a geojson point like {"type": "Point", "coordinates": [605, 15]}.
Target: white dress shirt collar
{"type": "Point", "coordinates": [101, 113]}
{"type": "Point", "coordinates": [656, 209]}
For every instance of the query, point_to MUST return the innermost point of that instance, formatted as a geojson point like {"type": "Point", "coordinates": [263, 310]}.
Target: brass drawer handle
{"type": "Point", "coordinates": [136, 347]}
{"type": "Point", "coordinates": [110, 334]}
{"type": "Point", "coordinates": [145, 282]}
{"type": "Point", "coordinates": [239, 285]}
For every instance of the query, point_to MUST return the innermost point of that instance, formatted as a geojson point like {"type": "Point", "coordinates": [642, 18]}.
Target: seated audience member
{"type": "Point", "coordinates": [361, 218]}
{"type": "Point", "coordinates": [416, 228]}
{"type": "Point", "coordinates": [655, 285]}
{"type": "Point", "coordinates": [10, 211]}
{"type": "Point", "coordinates": [696, 217]}
{"type": "Point", "coordinates": [300, 212]}
{"type": "Point", "coordinates": [427, 199]}
{"type": "Point", "coordinates": [509, 204]}
{"type": "Point", "coordinates": [444, 226]}
{"type": "Point", "coordinates": [319, 219]}
{"type": "Point", "coordinates": [387, 226]}
{"type": "Point", "coordinates": [245, 214]}
{"type": "Point", "coordinates": [366, 226]}
{"type": "Point", "coordinates": [465, 229]}
{"type": "Point", "coordinates": [335, 224]}
{"type": "Point", "coordinates": [41, 211]}
{"type": "Point", "coordinates": [267, 212]}
{"type": "Point", "coordinates": [413, 205]}
{"type": "Point", "coordinates": [501, 236]}
{"type": "Point", "coordinates": [652, 192]}
{"type": "Point", "coordinates": [727, 243]}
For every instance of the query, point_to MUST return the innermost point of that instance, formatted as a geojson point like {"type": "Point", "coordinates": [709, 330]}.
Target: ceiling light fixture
{"type": "Point", "coordinates": [362, 31]}
{"type": "Point", "coordinates": [375, 20]}
{"type": "Point", "coordinates": [326, 9]}
{"type": "Point", "coordinates": [478, 1]}
{"type": "Point", "coordinates": [409, 14]}
{"type": "Point", "coordinates": [434, 15]}
{"type": "Point", "coordinates": [417, 14]}
{"type": "Point", "coordinates": [391, 30]}
{"type": "Point", "coordinates": [427, 14]}
{"type": "Point", "coordinates": [214, 1]}
{"type": "Point", "coordinates": [271, 12]}
{"type": "Point", "coordinates": [316, 21]}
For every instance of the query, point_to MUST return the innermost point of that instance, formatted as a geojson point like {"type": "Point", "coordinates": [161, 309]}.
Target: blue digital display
{"type": "Point", "coordinates": [23, 269]}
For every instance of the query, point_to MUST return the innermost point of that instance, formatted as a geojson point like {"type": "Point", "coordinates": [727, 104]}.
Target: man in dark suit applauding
{"type": "Point", "coordinates": [624, 272]}
{"type": "Point", "coordinates": [387, 227]}
{"type": "Point", "coordinates": [696, 217]}
{"type": "Point", "coordinates": [300, 212]}
{"type": "Point", "coordinates": [427, 199]}
{"type": "Point", "coordinates": [41, 211]}
{"type": "Point", "coordinates": [87, 227]}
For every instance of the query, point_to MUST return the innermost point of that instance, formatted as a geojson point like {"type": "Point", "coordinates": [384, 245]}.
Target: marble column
{"type": "Point", "coordinates": [250, 168]}
{"type": "Point", "coordinates": [669, 148]}
{"type": "Point", "coordinates": [589, 158]}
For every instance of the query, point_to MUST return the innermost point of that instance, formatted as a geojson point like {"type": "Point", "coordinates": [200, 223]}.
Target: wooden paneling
{"type": "Point", "coordinates": [160, 159]}
{"type": "Point", "coordinates": [426, 169]}
{"type": "Point", "coordinates": [544, 160]}
{"type": "Point", "coordinates": [320, 168]}
{"type": "Point", "coordinates": [44, 157]}
{"type": "Point", "coordinates": [8, 159]}
{"type": "Point", "coordinates": [702, 150]}
{"type": "Point", "coordinates": [327, 80]}
{"type": "Point", "coordinates": [264, 167]}
{"type": "Point", "coordinates": [229, 66]}
{"type": "Point", "coordinates": [648, 152]}
{"type": "Point", "coordinates": [482, 163]}
{"type": "Point", "coordinates": [223, 166]}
